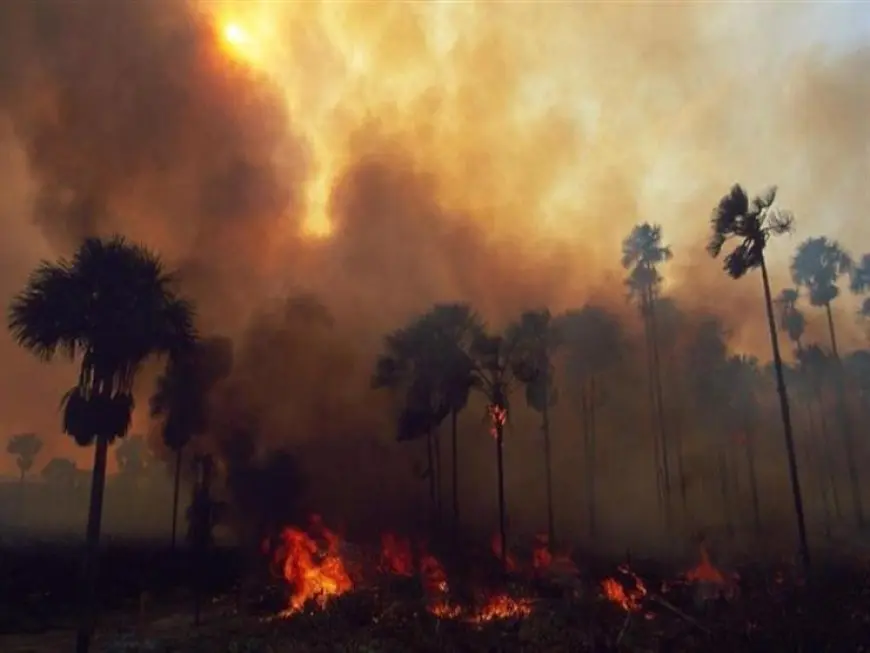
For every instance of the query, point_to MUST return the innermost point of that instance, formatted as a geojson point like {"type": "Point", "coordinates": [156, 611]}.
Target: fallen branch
{"type": "Point", "coordinates": [688, 618]}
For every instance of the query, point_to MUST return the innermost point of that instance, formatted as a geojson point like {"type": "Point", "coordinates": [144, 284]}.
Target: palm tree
{"type": "Point", "coordinates": [860, 284]}
{"type": "Point", "coordinates": [181, 399]}
{"type": "Point", "coordinates": [494, 358]}
{"type": "Point", "coordinates": [592, 339]}
{"type": "Point", "coordinates": [752, 223]}
{"type": "Point", "coordinates": [409, 369]}
{"type": "Point", "coordinates": [817, 266]}
{"type": "Point", "coordinates": [791, 319]}
{"type": "Point", "coordinates": [112, 306]}
{"type": "Point", "coordinates": [452, 329]}
{"type": "Point", "coordinates": [537, 340]}
{"type": "Point", "coordinates": [642, 255]}
{"type": "Point", "coordinates": [25, 447]}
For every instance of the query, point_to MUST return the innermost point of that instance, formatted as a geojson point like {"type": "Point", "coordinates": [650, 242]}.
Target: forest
{"type": "Point", "coordinates": [758, 464]}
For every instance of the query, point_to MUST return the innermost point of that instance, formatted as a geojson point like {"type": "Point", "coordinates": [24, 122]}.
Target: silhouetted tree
{"type": "Point", "coordinates": [642, 255]}
{"type": "Point", "coordinates": [493, 356]}
{"type": "Point", "coordinates": [743, 377]}
{"type": "Point", "coordinates": [816, 368]}
{"type": "Point", "coordinates": [817, 266]}
{"type": "Point", "coordinates": [536, 341]}
{"type": "Point", "coordinates": [25, 447]}
{"type": "Point", "coordinates": [713, 392]}
{"type": "Point", "coordinates": [409, 369]}
{"type": "Point", "coordinates": [592, 339]}
{"type": "Point", "coordinates": [113, 306]}
{"type": "Point", "coordinates": [60, 473]}
{"type": "Point", "coordinates": [791, 319]}
{"type": "Point", "coordinates": [860, 284]}
{"type": "Point", "coordinates": [452, 329]}
{"type": "Point", "coordinates": [752, 223]}
{"type": "Point", "coordinates": [181, 400]}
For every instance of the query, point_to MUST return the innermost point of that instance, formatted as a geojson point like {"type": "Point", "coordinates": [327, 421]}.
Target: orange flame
{"type": "Point", "coordinates": [629, 599]}
{"type": "Point", "coordinates": [313, 572]}
{"type": "Point", "coordinates": [498, 418]}
{"type": "Point", "coordinates": [396, 556]}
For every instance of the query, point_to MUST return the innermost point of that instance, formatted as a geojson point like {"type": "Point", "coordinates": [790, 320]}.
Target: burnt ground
{"type": "Point", "coordinates": [148, 606]}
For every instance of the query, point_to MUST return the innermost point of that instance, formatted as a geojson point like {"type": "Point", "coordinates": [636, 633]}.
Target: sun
{"type": "Point", "coordinates": [238, 41]}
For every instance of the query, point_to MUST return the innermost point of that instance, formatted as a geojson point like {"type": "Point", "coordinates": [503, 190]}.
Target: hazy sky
{"type": "Point", "coordinates": [504, 170]}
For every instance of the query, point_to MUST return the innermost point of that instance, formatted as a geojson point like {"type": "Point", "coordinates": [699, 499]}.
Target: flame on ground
{"type": "Point", "coordinates": [314, 570]}
{"type": "Point", "coordinates": [628, 598]}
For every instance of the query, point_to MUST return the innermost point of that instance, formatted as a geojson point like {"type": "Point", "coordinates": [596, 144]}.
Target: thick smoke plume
{"type": "Point", "coordinates": [495, 154]}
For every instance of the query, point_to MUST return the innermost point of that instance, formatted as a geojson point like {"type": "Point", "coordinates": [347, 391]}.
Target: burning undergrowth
{"type": "Point", "coordinates": [318, 568]}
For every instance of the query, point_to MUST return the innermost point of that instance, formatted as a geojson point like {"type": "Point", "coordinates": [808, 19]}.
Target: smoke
{"type": "Point", "coordinates": [454, 151]}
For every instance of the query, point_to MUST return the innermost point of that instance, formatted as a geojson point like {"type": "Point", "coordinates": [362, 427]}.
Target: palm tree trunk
{"type": "Point", "coordinates": [454, 469]}
{"type": "Point", "coordinates": [827, 459]}
{"type": "Point", "coordinates": [657, 457]}
{"type": "Point", "coordinates": [92, 548]}
{"type": "Point", "coordinates": [436, 447]}
{"type": "Point", "coordinates": [430, 461]}
{"type": "Point", "coordinates": [548, 470]}
{"type": "Point", "coordinates": [753, 478]}
{"type": "Point", "coordinates": [786, 422]}
{"type": "Point", "coordinates": [660, 410]}
{"type": "Point", "coordinates": [591, 455]}
{"type": "Point", "coordinates": [502, 516]}
{"type": "Point", "coordinates": [846, 425]}
{"type": "Point", "coordinates": [175, 491]}
{"type": "Point", "coordinates": [724, 493]}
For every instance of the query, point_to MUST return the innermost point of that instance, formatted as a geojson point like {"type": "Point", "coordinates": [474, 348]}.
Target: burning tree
{"type": "Point", "coordinates": [494, 358]}
{"type": "Point", "coordinates": [752, 223]}
{"type": "Point", "coordinates": [113, 306]}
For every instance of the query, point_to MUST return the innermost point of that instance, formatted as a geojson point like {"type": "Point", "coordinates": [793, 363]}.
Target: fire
{"type": "Point", "coordinates": [711, 580]}
{"type": "Point", "coordinates": [629, 599]}
{"type": "Point", "coordinates": [396, 556]}
{"type": "Point", "coordinates": [502, 606]}
{"type": "Point", "coordinates": [314, 572]}
{"type": "Point", "coordinates": [498, 418]}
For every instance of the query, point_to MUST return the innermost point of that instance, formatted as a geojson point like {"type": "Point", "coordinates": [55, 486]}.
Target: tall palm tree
{"type": "Point", "coordinates": [752, 223]}
{"type": "Point", "coordinates": [25, 447]}
{"type": "Point", "coordinates": [817, 266]}
{"type": "Point", "coordinates": [180, 400]}
{"type": "Point", "coordinates": [592, 339]}
{"type": "Point", "coordinates": [112, 306]}
{"type": "Point", "coordinates": [452, 328]}
{"type": "Point", "coordinates": [642, 255]}
{"type": "Point", "coordinates": [494, 357]}
{"type": "Point", "coordinates": [537, 340]}
{"type": "Point", "coordinates": [408, 368]}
